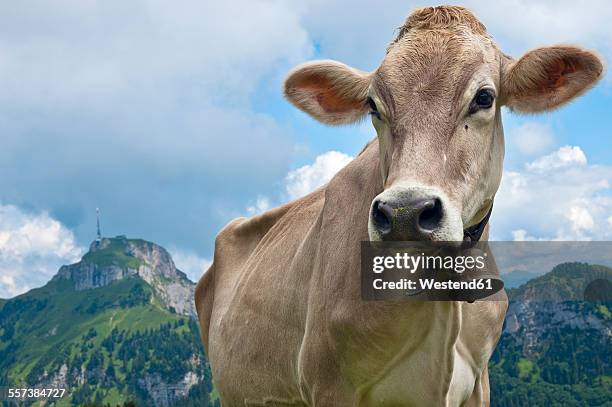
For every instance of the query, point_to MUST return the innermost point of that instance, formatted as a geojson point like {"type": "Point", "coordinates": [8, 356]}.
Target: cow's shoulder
{"type": "Point", "coordinates": [205, 288]}
{"type": "Point", "coordinates": [204, 297]}
{"type": "Point", "coordinates": [236, 242]}
{"type": "Point", "coordinates": [247, 233]}
{"type": "Point", "coordinates": [230, 234]}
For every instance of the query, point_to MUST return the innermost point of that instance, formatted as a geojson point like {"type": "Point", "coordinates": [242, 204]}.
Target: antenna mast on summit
{"type": "Point", "coordinates": [98, 235]}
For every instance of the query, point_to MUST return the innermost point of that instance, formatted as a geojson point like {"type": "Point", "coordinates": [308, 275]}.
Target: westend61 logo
{"type": "Point", "coordinates": [428, 271]}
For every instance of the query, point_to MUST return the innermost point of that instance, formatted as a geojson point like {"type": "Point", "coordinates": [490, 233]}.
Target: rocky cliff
{"type": "Point", "coordinates": [112, 259]}
{"type": "Point", "coordinates": [556, 301]}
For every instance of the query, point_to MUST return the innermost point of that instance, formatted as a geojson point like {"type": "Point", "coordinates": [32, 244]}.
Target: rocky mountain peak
{"type": "Point", "coordinates": [112, 259]}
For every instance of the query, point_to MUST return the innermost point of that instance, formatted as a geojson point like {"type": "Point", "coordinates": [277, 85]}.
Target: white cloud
{"type": "Point", "coordinates": [190, 263]}
{"type": "Point", "coordinates": [126, 100]}
{"type": "Point", "coordinates": [521, 235]}
{"type": "Point", "coordinates": [32, 248]}
{"type": "Point", "coordinates": [262, 204]}
{"type": "Point", "coordinates": [351, 32]}
{"type": "Point", "coordinates": [521, 24]}
{"type": "Point", "coordinates": [581, 219]}
{"type": "Point", "coordinates": [303, 180]}
{"type": "Point", "coordinates": [532, 138]}
{"type": "Point", "coordinates": [108, 49]}
{"type": "Point", "coordinates": [306, 179]}
{"type": "Point", "coordinates": [566, 156]}
{"type": "Point", "coordinates": [556, 197]}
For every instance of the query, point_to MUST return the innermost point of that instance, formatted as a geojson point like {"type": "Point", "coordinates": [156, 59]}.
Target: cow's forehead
{"type": "Point", "coordinates": [433, 66]}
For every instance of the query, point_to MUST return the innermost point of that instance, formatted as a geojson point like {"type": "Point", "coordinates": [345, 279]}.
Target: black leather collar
{"type": "Point", "coordinates": [474, 233]}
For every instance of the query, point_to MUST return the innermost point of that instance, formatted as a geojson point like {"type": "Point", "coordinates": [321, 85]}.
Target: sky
{"type": "Point", "coordinates": [169, 117]}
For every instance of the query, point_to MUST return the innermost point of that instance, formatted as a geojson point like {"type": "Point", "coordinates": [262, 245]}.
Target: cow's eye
{"type": "Point", "coordinates": [483, 100]}
{"type": "Point", "coordinates": [373, 108]}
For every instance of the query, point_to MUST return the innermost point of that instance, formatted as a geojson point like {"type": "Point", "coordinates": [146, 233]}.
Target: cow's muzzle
{"type": "Point", "coordinates": [413, 214]}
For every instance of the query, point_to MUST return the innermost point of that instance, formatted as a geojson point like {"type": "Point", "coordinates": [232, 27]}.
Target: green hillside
{"type": "Point", "coordinates": [555, 349]}
{"type": "Point", "coordinates": [114, 254]}
{"type": "Point", "coordinates": [566, 281]}
{"type": "Point", "coordinates": [110, 344]}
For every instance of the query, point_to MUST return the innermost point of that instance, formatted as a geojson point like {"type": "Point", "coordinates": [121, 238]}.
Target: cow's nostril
{"type": "Point", "coordinates": [382, 214]}
{"type": "Point", "coordinates": [431, 215]}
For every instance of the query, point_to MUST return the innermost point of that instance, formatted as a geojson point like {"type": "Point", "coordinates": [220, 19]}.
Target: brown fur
{"type": "Point", "coordinates": [546, 78]}
{"type": "Point", "coordinates": [332, 92]}
{"type": "Point", "coordinates": [441, 18]}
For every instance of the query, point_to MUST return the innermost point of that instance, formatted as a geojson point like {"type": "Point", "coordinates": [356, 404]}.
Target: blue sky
{"type": "Point", "coordinates": [170, 119]}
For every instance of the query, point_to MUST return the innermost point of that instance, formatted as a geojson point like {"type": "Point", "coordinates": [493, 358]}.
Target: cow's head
{"type": "Point", "coordinates": [435, 103]}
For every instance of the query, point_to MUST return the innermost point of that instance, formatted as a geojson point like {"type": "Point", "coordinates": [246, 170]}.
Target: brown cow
{"type": "Point", "coordinates": [280, 310]}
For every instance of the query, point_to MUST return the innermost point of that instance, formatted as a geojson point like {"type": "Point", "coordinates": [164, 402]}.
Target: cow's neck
{"type": "Point", "coordinates": [379, 340]}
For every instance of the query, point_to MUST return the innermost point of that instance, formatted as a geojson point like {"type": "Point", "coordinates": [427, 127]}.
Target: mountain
{"type": "Point", "coordinates": [517, 278]}
{"type": "Point", "coordinates": [117, 326]}
{"type": "Point", "coordinates": [555, 347]}
{"type": "Point", "coordinates": [110, 260]}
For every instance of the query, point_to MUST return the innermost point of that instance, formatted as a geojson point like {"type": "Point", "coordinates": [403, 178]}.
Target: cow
{"type": "Point", "coordinates": [281, 315]}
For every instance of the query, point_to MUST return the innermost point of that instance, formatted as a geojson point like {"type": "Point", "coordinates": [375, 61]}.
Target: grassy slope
{"type": "Point", "coordinates": [65, 319]}
{"type": "Point", "coordinates": [114, 254]}
{"type": "Point", "coordinates": [568, 279]}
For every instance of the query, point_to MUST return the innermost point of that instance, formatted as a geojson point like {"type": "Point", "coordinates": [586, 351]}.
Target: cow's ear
{"type": "Point", "coordinates": [546, 78]}
{"type": "Point", "coordinates": [329, 91]}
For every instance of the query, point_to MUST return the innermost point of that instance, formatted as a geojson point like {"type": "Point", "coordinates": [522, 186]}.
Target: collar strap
{"type": "Point", "coordinates": [474, 233]}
